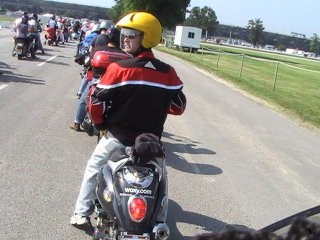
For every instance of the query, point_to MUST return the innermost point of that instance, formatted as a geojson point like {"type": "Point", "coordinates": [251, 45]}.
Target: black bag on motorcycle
{"type": "Point", "coordinates": [80, 59]}
{"type": "Point", "coordinates": [89, 127]}
{"type": "Point", "coordinates": [147, 146]}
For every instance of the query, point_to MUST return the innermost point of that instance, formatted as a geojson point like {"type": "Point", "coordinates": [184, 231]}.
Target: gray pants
{"type": "Point", "coordinates": [100, 156]}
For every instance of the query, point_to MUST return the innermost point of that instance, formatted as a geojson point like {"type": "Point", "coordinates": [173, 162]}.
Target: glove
{"type": "Point", "coordinates": [102, 132]}
{"type": "Point", "coordinates": [101, 126]}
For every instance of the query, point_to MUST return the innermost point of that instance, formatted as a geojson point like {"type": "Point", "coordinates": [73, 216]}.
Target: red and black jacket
{"type": "Point", "coordinates": [139, 92]}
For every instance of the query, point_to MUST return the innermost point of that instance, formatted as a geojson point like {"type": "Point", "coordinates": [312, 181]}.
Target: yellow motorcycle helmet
{"type": "Point", "coordinates": [146, 23]}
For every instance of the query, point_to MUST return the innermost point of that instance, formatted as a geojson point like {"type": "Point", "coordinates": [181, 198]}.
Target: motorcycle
{"type": "Point", "coordinates": [283, 226]}
{"type": "Point", "coordinates": [51, 37]}
{"type": "Point", "coordinates": [22, 47]}
{"type": "Point", "coordinates": [132, 195]}
{"type": "Point", "coordinates": [75, 35]}
{"type": "Point", "coordinates": [300, 226]}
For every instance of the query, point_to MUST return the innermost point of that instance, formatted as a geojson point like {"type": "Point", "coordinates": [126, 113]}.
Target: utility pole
{"type": "Point", "coordinates": [230, 41]}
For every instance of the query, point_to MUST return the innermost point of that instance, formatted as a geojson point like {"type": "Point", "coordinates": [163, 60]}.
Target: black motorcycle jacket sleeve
{"type": "Point", "coordinates": [178, 104]}
{"type": "Point", "coordinates": [140, 90]}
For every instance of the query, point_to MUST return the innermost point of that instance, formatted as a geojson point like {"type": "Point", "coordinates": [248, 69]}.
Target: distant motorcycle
{"type": "Point", "coordinates": [22, 47]}
{"type": "Point", "coordinates": [51, 37]}
{"type": "Point", "coordinates": [75, 35]}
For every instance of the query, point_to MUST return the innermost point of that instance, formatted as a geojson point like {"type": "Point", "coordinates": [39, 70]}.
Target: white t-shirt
{"type": "Point", "coordinates": [52, 23]}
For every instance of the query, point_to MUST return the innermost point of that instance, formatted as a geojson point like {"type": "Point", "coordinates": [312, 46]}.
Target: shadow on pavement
{"type": "Point", "coordinates": [184, 145]}
{"type": "Point", "coordinates": [176, 215]}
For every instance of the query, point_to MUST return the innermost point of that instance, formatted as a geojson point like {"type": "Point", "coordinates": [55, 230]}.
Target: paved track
{"type": "Point", "coordinates": [231, 160]}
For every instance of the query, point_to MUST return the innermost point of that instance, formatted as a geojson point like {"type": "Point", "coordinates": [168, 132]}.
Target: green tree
{"type": "Point", "coordinates": [256, 30]}
{"type": "Point", "coordinates": [69, 14]}
{"type": "Point", "coordinates": [2, 9]}
{"type": "Point", "coordinates": [117, 11]}
{"type": "Point", "coordinates": [281, 47]}
{"type": "Point", "coordinates": [204, 18]}
{"type": "Point", "coordinates": [169, 12]}
{"type": "Point", "coordinates": [314, 44]}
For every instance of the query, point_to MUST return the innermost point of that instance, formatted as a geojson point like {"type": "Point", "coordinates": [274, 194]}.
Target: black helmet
{"type": "Point", "coordinates": [104, 25]}
{"type": "Point", "coordinates": [35, 16]}
{"type": "Point", "coordinates": [95, 28]}
{"type": "Point", "coordinates": [113, 35]}
{"type": "Point", "coordinates": [24, 19]}
{"type": "Point", "coordinates": [25, 15]}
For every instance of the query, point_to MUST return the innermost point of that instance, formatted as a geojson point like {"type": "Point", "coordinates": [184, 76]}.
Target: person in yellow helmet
{"type": "Point", "coordinates": [133, 97]}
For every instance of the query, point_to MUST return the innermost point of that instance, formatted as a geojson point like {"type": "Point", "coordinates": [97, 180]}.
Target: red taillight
{"type": "Point", "coordinates": [137, 208]}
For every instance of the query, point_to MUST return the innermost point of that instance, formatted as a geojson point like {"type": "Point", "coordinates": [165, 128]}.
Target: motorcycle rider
{"type": "Point", "coordinates": [51, 29]}
{"type": "Point", "coordinates": [76, 29]}
{"type": "Point", "coordinates": [65, 29]}
{"type": "Point", "coordinates": [52, 23]}
{"type": "Point", "coordinates": [83, 30]}
{"type": "Point", "coordinates": [84, 51]}
{"type": "Point", "coordinates": [35, 29]}
{"type": "Point", "coordinates": [108, 40]}
{"type": "Point", "coordinates": [59, 31]}
{"type": "Point", "coordinates": [142, 90]}
{"type": "Point", "coordinates": [22, 32]}
{"type": "Point", "coordinates": [100, 41]}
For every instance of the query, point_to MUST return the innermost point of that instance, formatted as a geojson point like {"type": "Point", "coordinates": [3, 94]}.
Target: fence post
{"type": "Point", "coordinates": [275, 76]}
{"type": "Point", "coordinates": [201, 53]}
{"type": "Point", "coordinates": [190, 52]}
{"type": "Point", "coordinates": [218, 59]}
{"type": "Point", "coordinates": [241, 65]}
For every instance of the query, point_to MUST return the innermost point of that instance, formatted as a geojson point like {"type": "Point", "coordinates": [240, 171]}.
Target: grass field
{"type": "Point", "coordinates": [6, 18]}
{"type": "Point", "coordinates": [295, 90]}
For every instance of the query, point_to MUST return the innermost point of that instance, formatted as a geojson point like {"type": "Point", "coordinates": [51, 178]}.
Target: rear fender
{"type": "Point", "coordinates": [105, 190]}
{"type": "Point", "coordinates": [19, 48]}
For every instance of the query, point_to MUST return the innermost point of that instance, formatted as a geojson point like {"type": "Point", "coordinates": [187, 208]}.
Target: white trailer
{"type": "Point", "coordinates": [188, 38]}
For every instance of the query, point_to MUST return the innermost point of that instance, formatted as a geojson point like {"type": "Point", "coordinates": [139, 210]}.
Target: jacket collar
{"type": "Point", "coordinates": [146, 54]}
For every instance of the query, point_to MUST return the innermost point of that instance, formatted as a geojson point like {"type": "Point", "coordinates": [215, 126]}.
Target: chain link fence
{"type": "Point", "coordinates": [291, 82]}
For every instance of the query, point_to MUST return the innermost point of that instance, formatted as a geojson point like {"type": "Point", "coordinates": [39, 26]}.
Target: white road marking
{"type": "Point", "coordinates": [3, 86]}
{"type": "Point", "coordinates": [39, 65]}
{"type": "Point", "coordinates": [313, 163]}
{"type": "Point", "coordinates": [48, 60]}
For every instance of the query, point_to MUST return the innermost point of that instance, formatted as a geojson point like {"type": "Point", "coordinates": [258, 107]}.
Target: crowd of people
{"type": "Point", "coordinates": [28, 28]}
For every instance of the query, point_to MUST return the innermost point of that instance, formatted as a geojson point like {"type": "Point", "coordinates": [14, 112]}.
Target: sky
{"type": "Point", "coordinates": [278, 16]}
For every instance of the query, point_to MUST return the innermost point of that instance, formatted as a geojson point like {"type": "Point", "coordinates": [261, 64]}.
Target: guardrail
{"type": "Point", "coordinates": [243, 56]}
{"type": "Point", "coordinates": [5, 24]}
{"type": "Point", "coordinates": [290, 82]}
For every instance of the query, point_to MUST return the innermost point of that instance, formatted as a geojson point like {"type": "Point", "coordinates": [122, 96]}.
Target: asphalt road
{"type": "Point", "coordinates": [232, 161]}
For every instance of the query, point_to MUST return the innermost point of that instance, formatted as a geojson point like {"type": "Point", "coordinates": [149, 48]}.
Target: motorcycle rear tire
{"type": "Point", "coordinates": [19, 57]}
{"type": "Point", "coordinates": [98, 236]}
